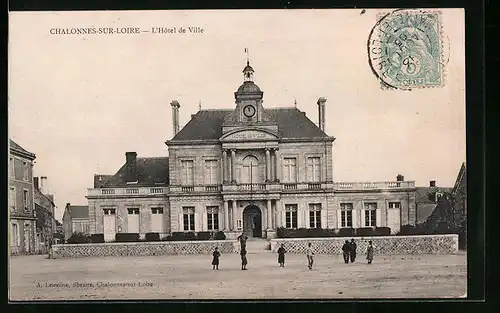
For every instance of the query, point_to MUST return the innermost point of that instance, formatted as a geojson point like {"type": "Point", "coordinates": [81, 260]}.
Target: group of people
{"type": "Point", "coordinates": [348, 252]}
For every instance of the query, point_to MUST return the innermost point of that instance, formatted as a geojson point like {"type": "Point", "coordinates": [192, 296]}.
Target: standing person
{"type": "Point", "coordinates": [346, 251]}
{"type": "Point", "coordinates": [215, 261]}
{"type": "Point", "coordinates": [353, 251]}
{"type": "Point", "coordinates": [369, 252]}
{"type": "Point", "coordinates": [310, 256]}
{"type": "Point", "coordinates": [243, 241]}
{"type": "Point", "coordinates": [244, 260]}
{"type": "Point", "coordinates": [281, 256]}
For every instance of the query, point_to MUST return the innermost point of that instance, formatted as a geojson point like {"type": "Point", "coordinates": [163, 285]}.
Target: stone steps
{"type": "Point", "coordinates": [256, 245]}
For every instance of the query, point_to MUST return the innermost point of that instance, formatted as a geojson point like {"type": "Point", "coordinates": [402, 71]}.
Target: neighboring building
{"type": "Point", "coordinates": [45, 221]}
{"type": "Point", "coordinates": [451, 211]}
{"type": "Point", "coordinates": [426, 200]}
{"type": "Point", "coordinates": [59, 233]}
{"type": "Point", "coordinates": [21, 200]}
{"type": "Point", "coordinates": [245, 169]}
{"type": "Point", "coordinates": [75, 220]}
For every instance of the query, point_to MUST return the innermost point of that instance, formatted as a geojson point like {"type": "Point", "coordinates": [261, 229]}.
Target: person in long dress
{"type": "Point", "coordinates": [346, 251]}
{"type": "Point", "coordinates": [215, 260]}
{"type": "Point", "coordinates": [353, 251]}
{"type": "Point", "coordinates": [244, 260]}
{"type": "Point", "coordinates": [310, 256]}
{"type": "Point", "coordinates": [369, 252]}
{"type": "Point", "coordinates": [281, 256]}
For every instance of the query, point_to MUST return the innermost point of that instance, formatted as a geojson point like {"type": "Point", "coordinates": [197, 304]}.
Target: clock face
{"type": "Point", "coordinates": [249, 111]}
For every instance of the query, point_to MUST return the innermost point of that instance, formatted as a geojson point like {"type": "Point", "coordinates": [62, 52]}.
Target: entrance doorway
{"type": "Point", "coordinates": [252, 221]}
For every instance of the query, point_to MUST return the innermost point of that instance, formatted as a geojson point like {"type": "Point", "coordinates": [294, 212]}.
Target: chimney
{"type": "Point", "coordinates": [175, 116]}
{"type": "Point", "coordinates": [400, 178]}
{"type": "Point", "coordinates": [43, 179]}
{"type": "Point", "coordinates": [35, 183]}
{"type": "Point", "coordinates": [130, 167]}
{"type": "Point", "coordinates": [321, 113]}
{"type": "Point", "coordinates": [432, 183]}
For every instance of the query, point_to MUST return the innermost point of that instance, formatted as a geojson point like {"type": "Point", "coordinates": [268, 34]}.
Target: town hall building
{"type": "Point", "coordinates": [247, 169]}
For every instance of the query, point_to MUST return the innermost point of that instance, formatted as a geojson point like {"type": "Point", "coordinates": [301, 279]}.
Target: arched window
{"type": "Point", "coordinates": [250, 170]}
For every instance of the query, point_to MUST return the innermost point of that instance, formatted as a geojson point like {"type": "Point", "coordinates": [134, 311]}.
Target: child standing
{"type": "Point", "coordinates": [215, 261]}
{"type": "Point", "coordinates": [281, 256]}
{"type": "Point", "coordinates": [369, 252]}
{"type": "Point", "coordinates": [244, 261]}
{"type": "Point", "coordinates": [310, 256]}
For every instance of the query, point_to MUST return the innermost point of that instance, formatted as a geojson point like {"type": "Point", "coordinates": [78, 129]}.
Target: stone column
{"type": "Point", "coordinates": [224, 165]}
{"type": "Point", "coordinates": [233, 157]}
{"type": "Point", "coordinates": [235, 216]}
{"type": "Point", "coordinates": [269, 215]}
{"type": "Point", "coordinates": [268, 165]}
{"type": "Point", "coordinates": [226, 215]}
{"type": "Point", "coordinates": [279, 214]}
{"type": "Point", "coordinates": [277, 165]}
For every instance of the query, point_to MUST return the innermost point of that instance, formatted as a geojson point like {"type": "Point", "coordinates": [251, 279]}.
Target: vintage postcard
{"type": "Point", "coordinates": [237, 154]}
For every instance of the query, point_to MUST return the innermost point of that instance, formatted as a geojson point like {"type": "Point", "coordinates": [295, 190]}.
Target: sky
{"type": "Point", "coordinates": [79, 102]}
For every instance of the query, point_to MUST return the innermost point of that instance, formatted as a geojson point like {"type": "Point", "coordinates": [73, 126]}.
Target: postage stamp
{"type": "Point", "coordinates": [405, 49]}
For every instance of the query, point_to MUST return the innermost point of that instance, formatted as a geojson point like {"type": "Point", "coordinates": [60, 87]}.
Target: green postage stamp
{"type": "Point", "coordinates": [405, 49]}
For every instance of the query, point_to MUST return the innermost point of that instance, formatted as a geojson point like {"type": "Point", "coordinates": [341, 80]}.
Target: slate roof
{"type": "Point", "coordinates": [150, 171]}
{"type": "Point", "coordinates": [78, 211]}
{"type": "Point", "coordinates": [16, 146]}
{"type": "Point", "coordinates": [422, 194]}
{"type": "Point", "coordinates": [207, 124]}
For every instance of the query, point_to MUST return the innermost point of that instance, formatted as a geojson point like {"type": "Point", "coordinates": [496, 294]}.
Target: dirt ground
{"type": "Point", "coordinates": [192, 277]}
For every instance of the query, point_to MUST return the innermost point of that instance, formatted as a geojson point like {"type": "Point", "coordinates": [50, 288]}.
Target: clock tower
{"type": "Point", "coordinates": [248, 98]}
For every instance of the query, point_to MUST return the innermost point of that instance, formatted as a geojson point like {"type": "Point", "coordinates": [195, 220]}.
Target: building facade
{"type": "Point", "coordinates": [22, 219]}
{"type": "Point", "coordinates": [246, 169]}
{"type": "Point", "coordinates": [75, 220]}
{"type": "Point", "coordinates": [45, 220]}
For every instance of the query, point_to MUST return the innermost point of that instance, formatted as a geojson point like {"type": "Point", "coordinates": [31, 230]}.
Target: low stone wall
{"type": "Point", "coordinates": [382, 245]}
{"type": "Point", "coordinates": [141, 248]}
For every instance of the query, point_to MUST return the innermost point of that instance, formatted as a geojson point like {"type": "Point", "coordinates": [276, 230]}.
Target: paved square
{"type": "Point", "coordinates": [192, 277]}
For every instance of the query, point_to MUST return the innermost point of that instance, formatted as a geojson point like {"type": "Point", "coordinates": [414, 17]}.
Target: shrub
{"type": "Point", "coordinates": [305, 233]}
{"type": "Point", "coordinates": [346, 232]}
{"type": "Point", "coordinates": [127, 237]}
{"type": "Point", "coordinates": [382, 231]}
{"type": "Point", "coordinates": [204, 235]}
{"type": "Point", "coordinates": [220, 235]}
{"type": "Point", "coordinates": [79, 238]}
{"type": "Point", "coordinates": [97, 238]}
{"type": "Point", "coordinates": [183, 236]}
{"type": "Point", "coordinates": [152, 237]}
{"type": "Point", "coordinates": [280, 232]}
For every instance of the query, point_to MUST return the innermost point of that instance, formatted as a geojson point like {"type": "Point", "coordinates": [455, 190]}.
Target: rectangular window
{"type": "Point", "coordinates": [12, 167]}
{"type": "Point", "coordinates": [313, 169]}
{"type": "Point", "coordinates": [188, 214]}
{"type": "Point", "coordinates": [85, 228]}
{"type": "Point", "coordinates": [213, 217]}
{"type": "Point", "coordinates": [394, 205]}
{"type": "Point", "coordinates": [346, 215]}
{"type": "Point", "coordinates": [315, 215]}
{"type": "Point", "coordinates": [157, 220]}
{"type": "Point", "coordinates": [290, 170]}
{"type": "Point", "coordinates": [14, 236]}
{"type": "Point", "coordinates": [239, 224]}
{"type": "Point", "coordinates": [26, 171]}
{"type": "Point", "coordinates": [370, 214]}
{"type": "Point", "coordinates": [25, 200]}
{"type": "Point", "coordinates": [12, 197]}
{"type": "Point", "coordinates": [109, 211]}
{"type": "Point", "coordinates": [133, 211]}
{"type": "Point", "coordinates": [291, 215]}
{"type": "Point", "coordinates": [211, 172]}
{"type": "Point", "coordinates": [187, 168]}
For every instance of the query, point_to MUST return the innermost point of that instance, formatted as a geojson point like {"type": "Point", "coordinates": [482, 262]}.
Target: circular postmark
{"type": "Point", "coordinates": [405, 49]}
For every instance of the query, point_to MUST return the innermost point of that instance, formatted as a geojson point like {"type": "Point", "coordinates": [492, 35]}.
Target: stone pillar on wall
{"type": "Point", "coordinates": [268, 165]}
{"type": "Point", "coordinates": [355, 219]}
{"type": "Point", "coordinates": [269, 215]}
{"type": "Point", "coordinates": [226, 216]}
{"type": "Point", "coordinates": [233, 161]}
{"type": "Point", "coordinates": [224, 165]}
{"type": "Point", "coordinates": [277, 165]}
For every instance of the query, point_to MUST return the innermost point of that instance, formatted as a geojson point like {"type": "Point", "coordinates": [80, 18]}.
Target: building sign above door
{"type": "Point", "coordinates": [249, 135]}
